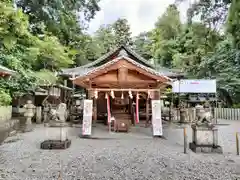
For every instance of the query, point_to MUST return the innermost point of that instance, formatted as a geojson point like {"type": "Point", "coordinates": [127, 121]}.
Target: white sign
{"type": "Point", "coordinates": [156, 118]}
{"type": "Point", "coordinates": [194, 86]}
{"type": "Point", "coordinates": [87, 118]}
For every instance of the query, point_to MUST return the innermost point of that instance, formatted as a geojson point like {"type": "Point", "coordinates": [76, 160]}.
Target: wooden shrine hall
{"type": "Point", "coordinates": [124, 76]}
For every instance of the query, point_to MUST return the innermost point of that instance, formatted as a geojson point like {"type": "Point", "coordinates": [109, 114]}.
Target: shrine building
{"type": "Point", "coordinates": [124, 76]}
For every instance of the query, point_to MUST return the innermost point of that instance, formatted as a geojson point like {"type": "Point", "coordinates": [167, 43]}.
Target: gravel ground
{"type": "Point", "coordinates": [115, 156]}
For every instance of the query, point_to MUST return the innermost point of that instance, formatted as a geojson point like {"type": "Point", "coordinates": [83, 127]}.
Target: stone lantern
{"type": "Point", "coordinates": [29, 113]}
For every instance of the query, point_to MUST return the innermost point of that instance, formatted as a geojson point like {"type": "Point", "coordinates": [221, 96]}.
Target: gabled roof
{"type": "Point", "coordinates": [102, 67]}
{"type": "Point", "coordinates": [87, 68]}
{"type": "Point", "coordinates": [6, 70]}
{"type": "Point", "coordinates": [116, 50]}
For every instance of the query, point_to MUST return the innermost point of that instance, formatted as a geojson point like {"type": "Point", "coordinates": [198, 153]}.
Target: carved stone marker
{"type": "Point", "coordinates": [29, 113]}
{"type": "Point", "coordinates": [39, 115]}
{"type": "Point", "coordinates": [46, 110]}
{"type": "Point", "coordinates": [205, 139]}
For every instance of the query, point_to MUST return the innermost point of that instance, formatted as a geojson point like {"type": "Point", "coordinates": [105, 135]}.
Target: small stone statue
{"type": "Point", "coordinates": [62, 112]}
{"type": "Point", "coordinates": [183, 112]}
{"type": "Point", "coordinates": [203, 116]}
{"type": "Point", "coordinates": [59, 115]}
{"type": "Point", "coordinates": [29, 113]}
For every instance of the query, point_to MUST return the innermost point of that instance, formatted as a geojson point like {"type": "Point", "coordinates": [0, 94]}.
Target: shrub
{"type": "Point", "coordinates": [5, 98]}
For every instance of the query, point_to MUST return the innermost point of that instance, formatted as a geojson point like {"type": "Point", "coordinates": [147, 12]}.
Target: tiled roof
{"type": "Point", "coordinates": [143, 63]}
{"type": "Point", "coordinates": [102, 58]}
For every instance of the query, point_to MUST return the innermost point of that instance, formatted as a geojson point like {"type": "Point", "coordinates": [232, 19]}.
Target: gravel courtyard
{"type": "Point", "coordinates": [117, 156]}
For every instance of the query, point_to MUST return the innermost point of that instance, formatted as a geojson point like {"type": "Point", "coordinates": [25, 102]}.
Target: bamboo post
{"type": "Point", "coordinates": [59, 176]}
{"type": "Point", "coordinates": [185, 140]}
{"type": "Point", "coordinates": [237, 143]}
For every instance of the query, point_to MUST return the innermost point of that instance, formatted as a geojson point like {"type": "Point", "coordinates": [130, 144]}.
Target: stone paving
{"type": "Point", "coordinates": [135, 155]}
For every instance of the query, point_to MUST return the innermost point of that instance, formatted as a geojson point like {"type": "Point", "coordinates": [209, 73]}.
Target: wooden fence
{"type": "Point", "coordinates": [227, 113]}
{"type": "Point", "coordinates": [219, 113]}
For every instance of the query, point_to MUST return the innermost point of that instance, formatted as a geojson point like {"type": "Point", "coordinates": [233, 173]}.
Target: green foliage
{"type": "Point", "coordinates": [164, 36]}
{"type": "Point", "coordinates": [40, 35]}
{"type": "Point", "coordinates": [122, 32]}
{"type": "Point", "coordinates": [111, 36]}
{"type": "Point", "coordinates": [233, 24]}
{"type": "Point", "coordinates": [142, 44]}
{"type": "Point", "coordinates": [45, 76]}
{"type": "Point", "coordinates": [5, 98]}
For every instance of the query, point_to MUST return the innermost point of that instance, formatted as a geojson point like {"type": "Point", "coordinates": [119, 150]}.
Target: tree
{"type": "Point", "coordinates": [122, 32]}
{"type": "Point", "coordinates": [105, 38]}
{"type": "Point", "coordinates": [142, 45]}
{"type": "Point", "coordinates": [164, 36]}
{"type": "Point", "coordinates": [24, 52]}
{"type": "Point", "coordinates": [212, 13]}
{"type": "Point", "coordinates": [233, 23]}
{"type": "Point", "coordinates": [194, 43]}
{"type": "Point", "coordinates": [64, 20]}
{"type": "Point", "coordinates": [111, 36]}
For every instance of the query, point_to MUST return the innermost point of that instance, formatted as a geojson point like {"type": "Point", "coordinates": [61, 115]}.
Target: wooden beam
{"type": "Point", "coordinates": [112, 89]}
{"type": "Point", "coordinates": [129, 66]}
{"type": "Point", "coordinates": [127, 82]}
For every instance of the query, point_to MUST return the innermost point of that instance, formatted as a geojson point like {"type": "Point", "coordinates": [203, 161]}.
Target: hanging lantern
{"type": "Point", "coordinates": [130, 94]}
{"type": "Point", "coordinates": [112, 94]}
{"type": "Point", "coordinates": [96, 94]}
{"type": "Point", "coordinates": [122, 97]}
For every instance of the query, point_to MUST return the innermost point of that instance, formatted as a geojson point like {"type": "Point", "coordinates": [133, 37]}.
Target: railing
{"type": "Point", "coordinates": [227, 113]}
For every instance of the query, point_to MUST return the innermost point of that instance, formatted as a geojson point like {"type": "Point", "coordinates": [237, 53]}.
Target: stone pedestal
{"type": "Point", "coordinates": [53, 123]}
{"type": "Point", "coordinates": [28, 125]}
{"type": "Point", "coordinates": [205, 139]}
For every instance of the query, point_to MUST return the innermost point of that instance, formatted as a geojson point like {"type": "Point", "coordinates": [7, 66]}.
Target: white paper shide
{"type": "Point", "coordinates": [87, 118]}
{"type": "Point", "coordinates": [156, 118]}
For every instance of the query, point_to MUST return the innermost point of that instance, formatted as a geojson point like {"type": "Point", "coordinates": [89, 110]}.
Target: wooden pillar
{"type": "Point", "coordinates": [130, 106]}
{"type": "Point", "coordinates": [94, 110]}
{"type": "Point", "coordinates": [147, 112]}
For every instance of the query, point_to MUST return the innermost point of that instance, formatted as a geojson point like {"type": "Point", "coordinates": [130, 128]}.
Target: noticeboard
{"type": "Point", "coordinates": [157, 118]}
{"type": "Point", "coordinates": [87, 118]}
{"type": "Point", "coordinates": [194, 86]}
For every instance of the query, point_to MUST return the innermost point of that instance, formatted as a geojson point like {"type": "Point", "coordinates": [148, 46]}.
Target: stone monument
{"type": "Point", "coordinates": [29, 113]}
{"type": "Point", "coordinates": [46, 109]}
{"type": "Point", "coordinates": [39, 115]}
{"type": "Point", "coordinates": [205, 134]}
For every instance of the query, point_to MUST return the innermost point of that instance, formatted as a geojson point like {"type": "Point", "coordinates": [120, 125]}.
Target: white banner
{"type": "Point", "coordinates": [194, 86]}
{"type": "Point", "coordinates": [156, 118]}
{"type": "Point", "coordinates": [87, 117]}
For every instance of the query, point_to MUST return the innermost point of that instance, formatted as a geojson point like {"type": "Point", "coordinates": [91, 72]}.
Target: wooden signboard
{"type": "Point", "coordinates": [156, 118]}
{"type": "Point", "coordinates": [87, 118]}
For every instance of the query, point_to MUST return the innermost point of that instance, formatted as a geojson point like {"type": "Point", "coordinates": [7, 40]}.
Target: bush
{"type": "Point", "coordinates": [5, 98]}
{"type": "Point", "coordinates": [236, 105]}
